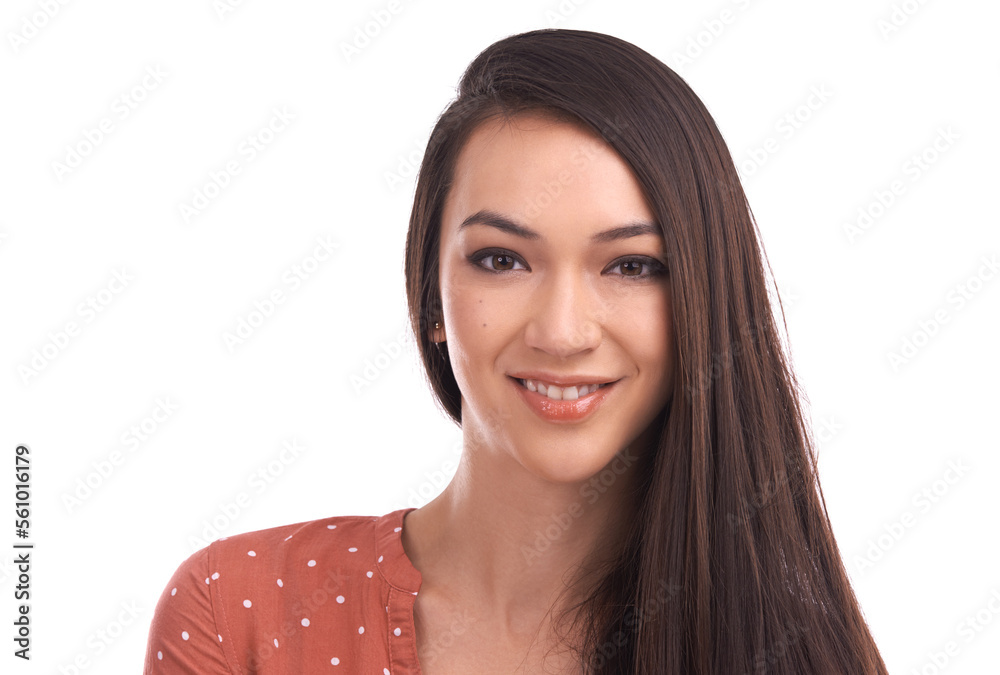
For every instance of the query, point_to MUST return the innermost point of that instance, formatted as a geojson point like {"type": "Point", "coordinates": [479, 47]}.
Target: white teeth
{"type": "Point", "coordinates": [560, 393]}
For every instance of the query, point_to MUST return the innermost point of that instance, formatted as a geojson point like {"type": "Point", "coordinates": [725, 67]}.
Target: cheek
{"type": "Point", "coordinates": [650, 333]}
{"type": "Point", "coordinates": [476, 319]}
{"type": "Point", "coordinates": [469, 311]}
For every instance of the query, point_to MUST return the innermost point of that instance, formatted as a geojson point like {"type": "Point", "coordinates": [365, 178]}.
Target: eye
{"type": "Point", "coordinates": [499, 260]}
{"type": "Point", "coordinates": [631, 268]}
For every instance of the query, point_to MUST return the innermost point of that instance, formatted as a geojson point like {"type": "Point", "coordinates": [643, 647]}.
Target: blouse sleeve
{"type": "Point", "coordinates": [183, 636]}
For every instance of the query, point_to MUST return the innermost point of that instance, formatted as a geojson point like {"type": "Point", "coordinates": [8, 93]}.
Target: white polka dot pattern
{"type": "Point", "coordinates": [261, 602]}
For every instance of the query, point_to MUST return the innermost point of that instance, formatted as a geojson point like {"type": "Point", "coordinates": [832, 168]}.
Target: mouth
{"type": "Point", "coordinates": [576, 403]}
{"type": "Point", "coordinates": [559, 393]}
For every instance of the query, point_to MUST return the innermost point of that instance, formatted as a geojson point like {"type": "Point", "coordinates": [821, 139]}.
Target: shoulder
{"type": "Point", "coordinates": [227, 596]}
{"type": "Point", "coordinates": [280, 548]}
{"type": "Point", "coordinates": [303, 533]}
{"type": "Point", "coordinates": [297, 547]}
{"type": "Point", "coordinates": [185, 634]}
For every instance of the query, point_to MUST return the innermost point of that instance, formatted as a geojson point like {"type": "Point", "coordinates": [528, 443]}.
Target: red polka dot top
{"type": "Point", "coordinates": [333, 595]}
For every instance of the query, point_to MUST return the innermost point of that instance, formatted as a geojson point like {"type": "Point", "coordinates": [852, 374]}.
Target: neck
{"type": "Point", "coordinates": [501, 538]}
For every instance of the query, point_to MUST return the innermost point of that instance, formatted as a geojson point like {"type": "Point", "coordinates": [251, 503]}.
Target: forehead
{"type": "Point", "coordinates": [534, 165]}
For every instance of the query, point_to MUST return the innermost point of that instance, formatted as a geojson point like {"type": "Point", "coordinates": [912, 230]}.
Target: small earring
{"type": "Point", "coordinates": [437, 325]}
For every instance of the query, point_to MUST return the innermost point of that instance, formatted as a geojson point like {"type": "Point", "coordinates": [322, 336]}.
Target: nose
{"type": "Point", "coordinates": [566, 316]}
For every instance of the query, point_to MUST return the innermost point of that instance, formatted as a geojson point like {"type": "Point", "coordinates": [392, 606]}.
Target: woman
{"type": "Point", "coordinates": [637, 491]}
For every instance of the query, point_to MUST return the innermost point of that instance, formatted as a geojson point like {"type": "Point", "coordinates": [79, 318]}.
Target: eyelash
{"type": "Point", "coordinates": [657, 268]}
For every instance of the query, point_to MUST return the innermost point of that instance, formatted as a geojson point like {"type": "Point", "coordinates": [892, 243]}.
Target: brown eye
{"type": "Point", "coordinates": [632, 265]}
{"type": "Point", "coordinates": [638, 269]}
{"type": "Point", "coordinates": [497, 261]}
{"type": "Point", "coordinates": [504, 261]}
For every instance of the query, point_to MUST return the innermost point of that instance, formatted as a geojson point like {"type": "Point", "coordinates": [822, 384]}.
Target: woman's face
{"type": "Point", "coordinates": [538, 278]}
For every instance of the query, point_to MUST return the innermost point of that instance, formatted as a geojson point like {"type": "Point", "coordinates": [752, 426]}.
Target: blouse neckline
{"type": "Point", "coordinates": [393, 563]}
{"type": "Point", "coordinates": [404, 581]}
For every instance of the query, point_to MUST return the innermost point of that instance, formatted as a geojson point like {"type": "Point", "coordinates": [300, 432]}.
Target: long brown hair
{"type": "Point", "coordinates": [731, 566]}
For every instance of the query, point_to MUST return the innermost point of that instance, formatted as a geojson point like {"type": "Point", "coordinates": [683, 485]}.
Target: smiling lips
{"type": "Point", "coordinates": [574, 403]}
{"type": "Point", "coordinates": [555, 393]}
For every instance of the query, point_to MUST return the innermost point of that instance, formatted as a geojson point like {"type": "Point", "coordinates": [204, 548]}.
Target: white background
{"type": "Point", "coordinates": [920, 540]}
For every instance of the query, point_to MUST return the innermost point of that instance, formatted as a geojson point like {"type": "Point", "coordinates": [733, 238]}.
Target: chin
{"type": "Point", "coordinates": [567, 466]}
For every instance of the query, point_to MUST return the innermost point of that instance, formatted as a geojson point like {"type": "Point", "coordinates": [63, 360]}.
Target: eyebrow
{"type": "Point", "coordinates": [500, 222]}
